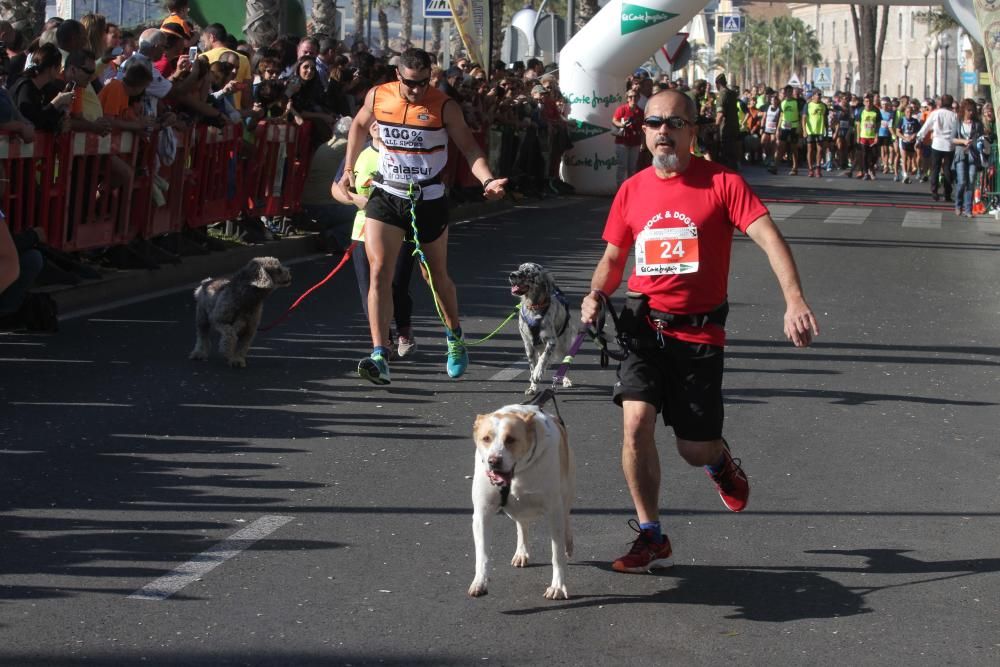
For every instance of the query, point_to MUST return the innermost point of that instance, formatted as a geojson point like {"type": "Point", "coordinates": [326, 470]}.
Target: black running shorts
{"type": "Point", "coordinates": [815, 138]}
{"type": "Point", "coordinates": [788, 136]}
{"type": "Point", "coordinates": [682, 380]}
{"type": "Point", "coordinates": [432, 214]}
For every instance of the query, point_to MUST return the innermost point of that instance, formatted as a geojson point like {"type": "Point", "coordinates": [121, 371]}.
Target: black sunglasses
{"type": "Point", "coordinates": [415, 83]}
{"type": "Point", "coordinates": [673, 122]}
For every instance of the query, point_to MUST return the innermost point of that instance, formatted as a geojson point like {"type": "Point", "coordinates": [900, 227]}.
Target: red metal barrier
{"type": "Point", "coordinates": [59, 182]}
{"type": "Point", "coordinates": [280, 166]}
{"type": "Point", "coordinates": [148, 218]}
{"type": "Point", "coordinates": [214, 188]}
{"type": "Point", "coordinates": [30, 190]}
{"type": "Point", "coordinates": [93, 215]}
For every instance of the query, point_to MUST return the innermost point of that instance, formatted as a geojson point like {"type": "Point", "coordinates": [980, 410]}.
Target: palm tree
{"type": "Point", "coordinates": [586, 10]}
{"type": "Point", "coordinates": [437, 27]}
{"type": "Point", "coordinates": [406, 19]}
{"type": "Point", "coordinates": [780, 30]}
{"type": "Point", "coordinates": [383, 27]}
{"type": "Point", "coordinates": [262, 22]}
{"type": "Point", "coordinates": [870, 41]}
{"type": "Point", "coordinates": [324, 17]}
{"type": "Point", "coordinates": [358, 8]}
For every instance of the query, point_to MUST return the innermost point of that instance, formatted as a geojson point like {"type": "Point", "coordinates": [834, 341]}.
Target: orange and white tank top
{"type": "Point", "coordinates": [414, 139]}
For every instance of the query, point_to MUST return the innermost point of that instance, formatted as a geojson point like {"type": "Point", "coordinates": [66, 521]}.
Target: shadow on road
{"type": "Point", "coordinates": [782, 594]}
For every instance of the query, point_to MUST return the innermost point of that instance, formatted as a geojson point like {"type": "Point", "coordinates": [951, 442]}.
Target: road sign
{"type": "Point", "coordinates": [970, 78]}
{"type": "Point", "coordinates": [550, 33]}
{"type": "Point", "coordinates": [731, 23]}
{"type": "Point", "coordinates": [823, 78]}
{"type": "Point", "coordinates": [794, 82]}
{"type": "Point", "coordinates": [437, 9]}
{"type": "Point", "coordinates": [666, 56]}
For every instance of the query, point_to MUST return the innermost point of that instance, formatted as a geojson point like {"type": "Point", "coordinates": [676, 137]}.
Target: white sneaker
{"type": "Point", "coordinates": [406, 347]}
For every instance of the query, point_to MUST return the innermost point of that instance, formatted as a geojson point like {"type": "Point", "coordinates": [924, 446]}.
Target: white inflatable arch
{"type": "Point", "coordinates": [594, 64]}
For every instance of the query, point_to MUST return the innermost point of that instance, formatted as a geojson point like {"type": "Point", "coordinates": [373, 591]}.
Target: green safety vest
{"type": "Point", "coordinates": [870, 121]}
{"type": "Point", "coordinates": [790, 114]}
{"type": "Point", "coordinates": [815, 119]}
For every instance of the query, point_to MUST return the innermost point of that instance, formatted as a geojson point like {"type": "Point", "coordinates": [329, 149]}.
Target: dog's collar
{"type": "Point", "coordinates": [543, 306]}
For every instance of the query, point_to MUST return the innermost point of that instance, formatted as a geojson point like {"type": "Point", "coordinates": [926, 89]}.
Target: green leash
{"type": "Point", "coordinates": [418, 252]}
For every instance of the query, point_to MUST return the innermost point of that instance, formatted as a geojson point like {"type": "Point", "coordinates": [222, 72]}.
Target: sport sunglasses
{"type": "Point", "coordinates": [415, 83]}
{"type": "Point", "coordinates": [673, 122]}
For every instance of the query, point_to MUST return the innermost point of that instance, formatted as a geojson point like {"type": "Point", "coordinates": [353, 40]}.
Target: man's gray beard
{"type": "Point", "coordinates": [667, 162]}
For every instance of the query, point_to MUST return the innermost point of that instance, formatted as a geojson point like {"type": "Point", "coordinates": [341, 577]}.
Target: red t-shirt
{"type": "Point", "coordinates": [632, 135]}
{"type": "Point", "coordinates": [166, 66]}
{"type": "Point", "coordinates": [681, 230]}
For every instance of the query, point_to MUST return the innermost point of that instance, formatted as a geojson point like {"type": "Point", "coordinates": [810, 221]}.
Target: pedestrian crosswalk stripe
{"type": "Point", "coordinates": [781, 212]}
{"type": "Point", "coordinates": [922, 219]}
{"type": "Point", "coordinates": [848, 216]}
{"type": "Point", "coordinates": [989, 227]}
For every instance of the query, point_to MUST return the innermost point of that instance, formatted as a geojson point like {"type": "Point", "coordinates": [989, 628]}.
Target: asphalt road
{"type": "Point", "coordinates": [303, 517]}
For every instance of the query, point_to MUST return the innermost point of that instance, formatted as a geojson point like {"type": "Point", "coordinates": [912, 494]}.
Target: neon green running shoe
{"type": "Point", "coordinates": [458, 357]}
{"type": "Point", "coordinates": [375, 369]}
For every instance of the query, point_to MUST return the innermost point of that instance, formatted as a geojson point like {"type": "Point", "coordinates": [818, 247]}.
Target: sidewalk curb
{"type": "Point", "coordinates": [139, 284]}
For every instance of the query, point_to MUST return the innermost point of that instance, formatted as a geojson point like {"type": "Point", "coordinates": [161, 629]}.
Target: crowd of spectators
{"type": "Point", "coordinates": [97, 77]}
{"type": "Point", "coordinates": [942, 141]}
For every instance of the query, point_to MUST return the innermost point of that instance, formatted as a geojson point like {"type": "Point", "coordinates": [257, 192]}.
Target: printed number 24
{"type": "Point", "coordinates": [671, 250]}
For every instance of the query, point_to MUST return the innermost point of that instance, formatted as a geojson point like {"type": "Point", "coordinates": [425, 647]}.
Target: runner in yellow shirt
{"type": "Point", "coordinates": [815, 119]}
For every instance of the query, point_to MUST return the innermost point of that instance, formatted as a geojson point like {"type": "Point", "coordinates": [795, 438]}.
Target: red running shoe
{"type": "Point", "coordinates": [731, 481]}
{"type": "Point", "coordinates": [645, 554]}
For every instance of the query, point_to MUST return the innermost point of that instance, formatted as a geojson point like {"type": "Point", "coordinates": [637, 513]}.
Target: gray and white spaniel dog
{"type": "Point", "coordinates": [233, 306]}
{"type": "Point", "coordinates": [547, 327]}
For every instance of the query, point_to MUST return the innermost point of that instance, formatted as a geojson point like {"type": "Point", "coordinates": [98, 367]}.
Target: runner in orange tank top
{"type": "Point", "coordinates": [415, 122]}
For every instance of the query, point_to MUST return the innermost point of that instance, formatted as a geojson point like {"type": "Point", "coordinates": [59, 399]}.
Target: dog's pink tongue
{"type": "Point", "coordinates": [498, 479]}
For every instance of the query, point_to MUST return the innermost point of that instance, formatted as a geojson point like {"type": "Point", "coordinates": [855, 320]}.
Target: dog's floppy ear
{"type": "Point", "coordinates": [260, 277]}
{"type": "Point", "coordinates": [550, 282]}
{"type": "Point", "coordinates": [475, 425]}
{"type": "Point", "coordinates": [527, 417]}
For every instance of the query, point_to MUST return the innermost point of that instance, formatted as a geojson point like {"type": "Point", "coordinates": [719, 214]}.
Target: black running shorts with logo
{"type": "Point", "coordinates": [432, 214]}
{"type": "Point", "coordinates": [682, 380]}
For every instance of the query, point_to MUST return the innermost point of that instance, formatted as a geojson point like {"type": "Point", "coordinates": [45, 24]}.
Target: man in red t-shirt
{"type": "Point", "coordinates": [628, 136]}
{"type": "Point", "coordinates": [680, 215]}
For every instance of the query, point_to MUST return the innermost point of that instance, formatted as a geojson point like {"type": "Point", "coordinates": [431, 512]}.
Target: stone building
{"type": "Point", "coordinates": [913, 62]}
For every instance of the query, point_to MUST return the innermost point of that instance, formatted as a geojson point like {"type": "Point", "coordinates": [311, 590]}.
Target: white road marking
{"type": "Point", "coordinates": [781, 212]}
{"type": "Point", "coordinates": [509, 374]}
{"type": "Point", "coordinates": [989, 227]}
{"type": "Point", "coordinates": [848, 216]}
{"type": "Point", "coordinates": [207, 561]}
{"type": "Point", "coordinates": [105, 321]}
{"type": "Point", "coordinates": [46, 361]}
{"type": "Point", "coordinates": [922, 219]}
{"type": "Point", "coordinates": [72, 405]}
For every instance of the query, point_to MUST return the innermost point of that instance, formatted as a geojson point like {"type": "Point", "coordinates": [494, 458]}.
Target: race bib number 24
{"type": "Point", "coordinates": [669, 251]}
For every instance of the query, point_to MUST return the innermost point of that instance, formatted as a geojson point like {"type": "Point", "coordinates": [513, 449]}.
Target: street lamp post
{"type": "Point", "coordinates": [926, 52]}
{"type": "Point", "coordinates": [944, 42]}
{"type": "Point", "coordinates": [795, 38]}
{"type": "Point", "coordinates": [767, 76]}
{"type": "Point", "coordinates": [906, 71]}
{"type": "Point", "coordinates": [934, 48]}
{"type": "Point", "coordinates": [746, 62]}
